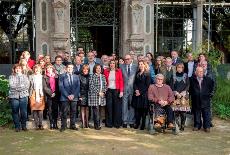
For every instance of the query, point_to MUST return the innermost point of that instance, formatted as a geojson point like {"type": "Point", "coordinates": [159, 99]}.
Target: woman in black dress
{"type": "Point", "coordinates": [180, 87]}
{"type": "Point", "coordinates": [83, 100]}
{"type": "Point", "coordinates": [140, 99]}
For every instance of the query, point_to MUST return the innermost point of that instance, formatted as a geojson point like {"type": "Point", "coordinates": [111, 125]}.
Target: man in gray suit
{"type": "Point", "coordinates": [129, 70]}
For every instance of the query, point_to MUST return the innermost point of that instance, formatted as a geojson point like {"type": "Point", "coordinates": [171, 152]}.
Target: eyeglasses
{"type": "Point", "coordinates": [127, 59]}
{"type": "Point", "coordinates": [159, 79]}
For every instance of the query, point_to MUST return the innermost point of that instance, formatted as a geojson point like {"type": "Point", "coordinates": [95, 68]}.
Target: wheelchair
{"type": "Point", "coordinates": [158, 122]}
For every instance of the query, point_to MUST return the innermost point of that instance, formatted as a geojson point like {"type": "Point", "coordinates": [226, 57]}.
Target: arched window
{"type": "Point", "coordinates": [44, 17]}
{"type": "Point", "coordinates": [147, 17]}
{"type": "Point", "coordinates": [45, 48]}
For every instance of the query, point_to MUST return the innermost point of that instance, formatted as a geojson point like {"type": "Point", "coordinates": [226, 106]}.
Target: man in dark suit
{"type": "Point", "coordinates": [201, 89]}
{"type": "Point", "coordinates": [78, 65]}
{"type": "Point", "coordinates": [175, 58]}
{"type": "Point", "coordinates": [69, 86]}
{"type": "Point", "coordinates": [189, 65]}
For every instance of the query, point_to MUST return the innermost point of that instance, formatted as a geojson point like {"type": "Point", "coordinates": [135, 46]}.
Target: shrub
{"type": "Point", "coordinates": [221, 99]}
{"type": "Point", "coordinates": [5, 110]}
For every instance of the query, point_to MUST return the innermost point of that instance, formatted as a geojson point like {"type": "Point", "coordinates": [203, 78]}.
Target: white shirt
{"type": "Point", "coordinates": [190, 68]}
{"type": "Point", "coordinates": [112, 80]}
{"type": "Point", "coordinates": [91, 65]}
{"type": "Point", "coordinates": [127, 68]}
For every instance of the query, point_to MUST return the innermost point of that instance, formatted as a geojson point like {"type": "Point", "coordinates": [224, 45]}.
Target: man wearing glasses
{"type": "Point", "coordinates": [161, 95]}
{"type": "Point", "coordinates": [59, 67]}
{"type": "Point", "coordinates": [129, 70]}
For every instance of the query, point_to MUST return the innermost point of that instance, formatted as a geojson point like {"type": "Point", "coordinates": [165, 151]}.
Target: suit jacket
{"type": "Point", "coordinates": [201, 97]}
{"type": "Point", "coordinates": [128, 80]}
{"type": "Point", "coordinates": [76, 71]}
{"type": "Point", "coordinates": [186, 66]}
{"type": "Point", "coordinates": [97, 61]}
{"type": "Point", "coordinates": [46, 87]}
{"type": "Point", "coordinates": [178, 60]}
{"type": "Point", "coordinates": [67, 89]}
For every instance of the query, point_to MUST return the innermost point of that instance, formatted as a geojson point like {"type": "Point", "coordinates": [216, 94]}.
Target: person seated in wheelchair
{"type": "Point", "coordinates": [161, 95]}
{"type": "Point", "coordinates": [180, 86]}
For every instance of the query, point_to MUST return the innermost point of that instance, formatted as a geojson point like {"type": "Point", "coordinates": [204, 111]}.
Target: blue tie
{"type": "Point", "coordinates": [128, 70]}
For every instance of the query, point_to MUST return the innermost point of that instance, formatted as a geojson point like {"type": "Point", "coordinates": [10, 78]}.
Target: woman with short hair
{"type": "Point", "coordinates": [180, 88]}
{"type": "Point", "coordinates": [18, 97]}
{"type": "Point", "coordinates": [51, 91]}
{"type": "Point", "coordinates": [37, 102]}
{"type": "Point", "coordinates": [97, 90]}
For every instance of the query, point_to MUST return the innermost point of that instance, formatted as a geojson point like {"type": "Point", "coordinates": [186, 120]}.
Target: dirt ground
{"type": "Point", "coordinates": [117, 142]}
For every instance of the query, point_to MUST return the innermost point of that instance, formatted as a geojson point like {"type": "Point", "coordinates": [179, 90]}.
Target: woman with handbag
{"type": "Point", "coordinates": [180, 87]}
{"type": "Point", "coordinates": [83, 99]}
{"type": "Point", "coordinates": [37, 102]}
{"type": "Point", "coordinates": [140, 98]}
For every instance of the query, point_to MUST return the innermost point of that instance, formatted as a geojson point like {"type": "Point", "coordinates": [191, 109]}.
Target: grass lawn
{"type": "Point", "coordinates": [117, 142]}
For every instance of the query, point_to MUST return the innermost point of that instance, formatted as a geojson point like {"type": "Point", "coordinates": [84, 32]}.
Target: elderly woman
{"type": "Point", "coordinates": [114, 93]}
{"type": "Point", "coordinates": [140, 98]}
{"type": "Point", "coordinates": [18, 97]}
{"type": "Point", "coordinates": [180, 87]}
{"type": "Point", "coordinates": [161, 95]}
{"type": "Point", "coordinates": [37, 103]}
{"type": "Point", "coordinates": [97, 90]}
{"type": "Point", "coordinates": [51, 91]}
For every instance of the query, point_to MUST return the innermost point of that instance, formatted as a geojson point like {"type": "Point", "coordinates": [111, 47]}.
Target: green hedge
{"type": "Point", "coordinates": [5, 110]}
{"type": "Point", "coordinates": [221, 99]}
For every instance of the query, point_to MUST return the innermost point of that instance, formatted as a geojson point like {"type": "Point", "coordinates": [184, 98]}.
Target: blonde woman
{"type": "Point", "coordinates": [37, 103]}
{"type": "Point", "coordinates": [140, 99]}
{"type": "Point", "coordinates": [25, 68]}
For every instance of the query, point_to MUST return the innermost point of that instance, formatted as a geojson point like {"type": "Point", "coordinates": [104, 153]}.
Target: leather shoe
{"type": "Point", "coordinates": [124, 125]}
{"type": "Point", "coordinates": [62, 129]}
{"type": "Point", "coordinates": [74, 128]}
{"type": "Point", "coordinates": [195, 129]}
{"type": "Point", "coordinates": [17, 130]}
{"type": "Point", "coordinates": [131, 125]}
{"type": "Point", "coordinates": [207, 130]}
{"type": "Point", "coordinates": [98, 128]}
{"type": "Point", "coordinates": [24, 129]}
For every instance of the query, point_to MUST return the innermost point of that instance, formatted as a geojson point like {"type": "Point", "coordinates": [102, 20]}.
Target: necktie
{"type": "Point", "coordinates": [199, 80]}
{"type": "Point", "coordinates": [71, 79]}
{"type": "Point", "coordinates": [128, 70]}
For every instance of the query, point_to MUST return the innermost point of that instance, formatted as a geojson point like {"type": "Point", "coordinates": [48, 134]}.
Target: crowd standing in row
{"type": "Point", "coordinates": [120, 91]}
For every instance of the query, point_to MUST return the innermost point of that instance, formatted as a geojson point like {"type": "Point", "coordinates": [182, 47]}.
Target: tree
{"type": "Point", "coordinates": [12, 20]}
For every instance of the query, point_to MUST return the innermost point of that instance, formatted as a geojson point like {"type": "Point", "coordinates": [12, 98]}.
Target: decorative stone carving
{"type": "Point", "coordinates": [136, 45]}
{"type": "Point", "coordinates": [59, 12]}
{"type": "Point", "coordinates": [137, 11]}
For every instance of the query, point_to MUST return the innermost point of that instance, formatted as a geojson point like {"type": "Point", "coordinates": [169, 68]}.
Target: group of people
{"type": "Point", "coordinates": [119, 91]}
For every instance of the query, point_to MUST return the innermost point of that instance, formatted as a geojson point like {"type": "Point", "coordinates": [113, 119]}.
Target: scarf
{"type": "Point", "coordinates": [52, 81]}
{"type": "Point", "coordinates": [38, 87]}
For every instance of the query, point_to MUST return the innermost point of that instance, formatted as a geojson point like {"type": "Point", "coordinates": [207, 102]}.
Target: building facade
{"type": "Point", "coordinates": [143, 27]}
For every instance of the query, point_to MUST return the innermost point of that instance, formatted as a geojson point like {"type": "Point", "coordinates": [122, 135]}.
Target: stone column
{"type": "Point", "coordinates": [136, 38]}
{"type": "Point", "coordinates": [124, 33]}
{"type": "Point", "coordinates": [61, 35]}
{"type": "Point", "coordinates": [199, 22]}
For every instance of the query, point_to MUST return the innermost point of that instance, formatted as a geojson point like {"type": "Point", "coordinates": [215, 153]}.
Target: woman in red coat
{"type": "Point", "coordinates": [114, 94]}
